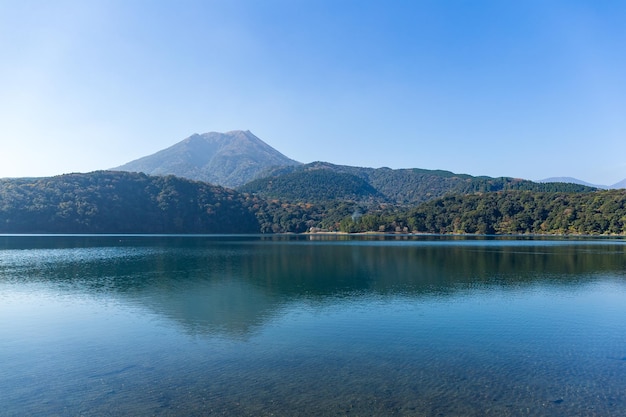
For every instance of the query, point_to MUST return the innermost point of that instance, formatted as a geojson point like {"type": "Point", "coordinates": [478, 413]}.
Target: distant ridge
{"type": "Point", "coordinates": [229, 159]}
{"type": "Point", "coordinates": [570, 180]}
{"type": "Point", "coordinates": [621, 184]}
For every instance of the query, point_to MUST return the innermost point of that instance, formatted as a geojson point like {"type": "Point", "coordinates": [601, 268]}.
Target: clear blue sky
{"type": "Point", "coordinates": [529, 89]}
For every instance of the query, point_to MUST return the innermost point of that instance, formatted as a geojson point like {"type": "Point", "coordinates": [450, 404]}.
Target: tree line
{"type": "Point", "coordinates": [506, 212]}
{"type": "Point", "coordinates": [121, 202]}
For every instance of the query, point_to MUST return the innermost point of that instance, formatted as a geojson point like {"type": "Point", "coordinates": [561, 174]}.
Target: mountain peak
{"type": "Point", "coordinates": [229, 159]}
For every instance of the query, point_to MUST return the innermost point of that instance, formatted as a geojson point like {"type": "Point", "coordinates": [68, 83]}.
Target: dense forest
{"type": "Point", "coordinates": [322, 181]}
{"type": "Point", "coordinates": [314, 186]}
{"type": "Point", "coordinates": [508, 212]}
{"type": "Point", "coordinates": [120, 202]}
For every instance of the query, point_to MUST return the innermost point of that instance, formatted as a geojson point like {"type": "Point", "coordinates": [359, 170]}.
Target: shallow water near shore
{"type": "Point", "coordinates": [312, 326]}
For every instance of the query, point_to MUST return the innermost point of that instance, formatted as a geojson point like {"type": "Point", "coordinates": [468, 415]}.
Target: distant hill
{"type": "Point", "coordinates": [570, 180]}
{"type": "Point", "coordinates": [121, 202]}
{"type": "Point", "coordinates": [392, 186]}
{"type": "Point", "coordinates": [621, 184]}
{"type": "Point", "coordinates": [229, 159]}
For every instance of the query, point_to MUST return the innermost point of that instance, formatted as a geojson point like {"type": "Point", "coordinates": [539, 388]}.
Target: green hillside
{"type": "Point", "coordinates": [314, 185]}
{"type": "Point", "coordinates": [509, 212]}
{"type": "Point", "coordinates": [119, 202]}
{"type": "Point", "coordinates": [403, 187]}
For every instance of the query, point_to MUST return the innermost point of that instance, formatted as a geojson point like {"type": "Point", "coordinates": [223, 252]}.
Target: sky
{"type": "Point", "coordinates": [528, 89]}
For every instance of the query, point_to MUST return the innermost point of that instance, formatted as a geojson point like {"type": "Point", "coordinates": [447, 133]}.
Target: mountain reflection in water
{"type": "Point", "coordinates": [231, 285]}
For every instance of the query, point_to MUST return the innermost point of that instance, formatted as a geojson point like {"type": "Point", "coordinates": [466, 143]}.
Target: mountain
{"type": "Point", "coordinates": [229, 159]}
{"type": "Point", "coordinates": [570, 180]}
{"type": "Point", "coordinates": [319, 181]}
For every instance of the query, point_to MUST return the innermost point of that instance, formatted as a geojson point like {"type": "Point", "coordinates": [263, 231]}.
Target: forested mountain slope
{"type": "Point", "coordinates": [394, 186]}
{"type": "Point", "coordinates": [121, 202]}
{"type": "Point", "coordinates": [316, 185]}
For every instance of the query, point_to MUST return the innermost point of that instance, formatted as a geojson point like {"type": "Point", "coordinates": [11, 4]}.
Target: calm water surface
{"type": "Point", "coordinates": [255, 326]}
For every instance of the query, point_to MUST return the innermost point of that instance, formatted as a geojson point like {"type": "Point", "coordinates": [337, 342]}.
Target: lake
{"type": "Point", "coordinates": [312, 326]}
